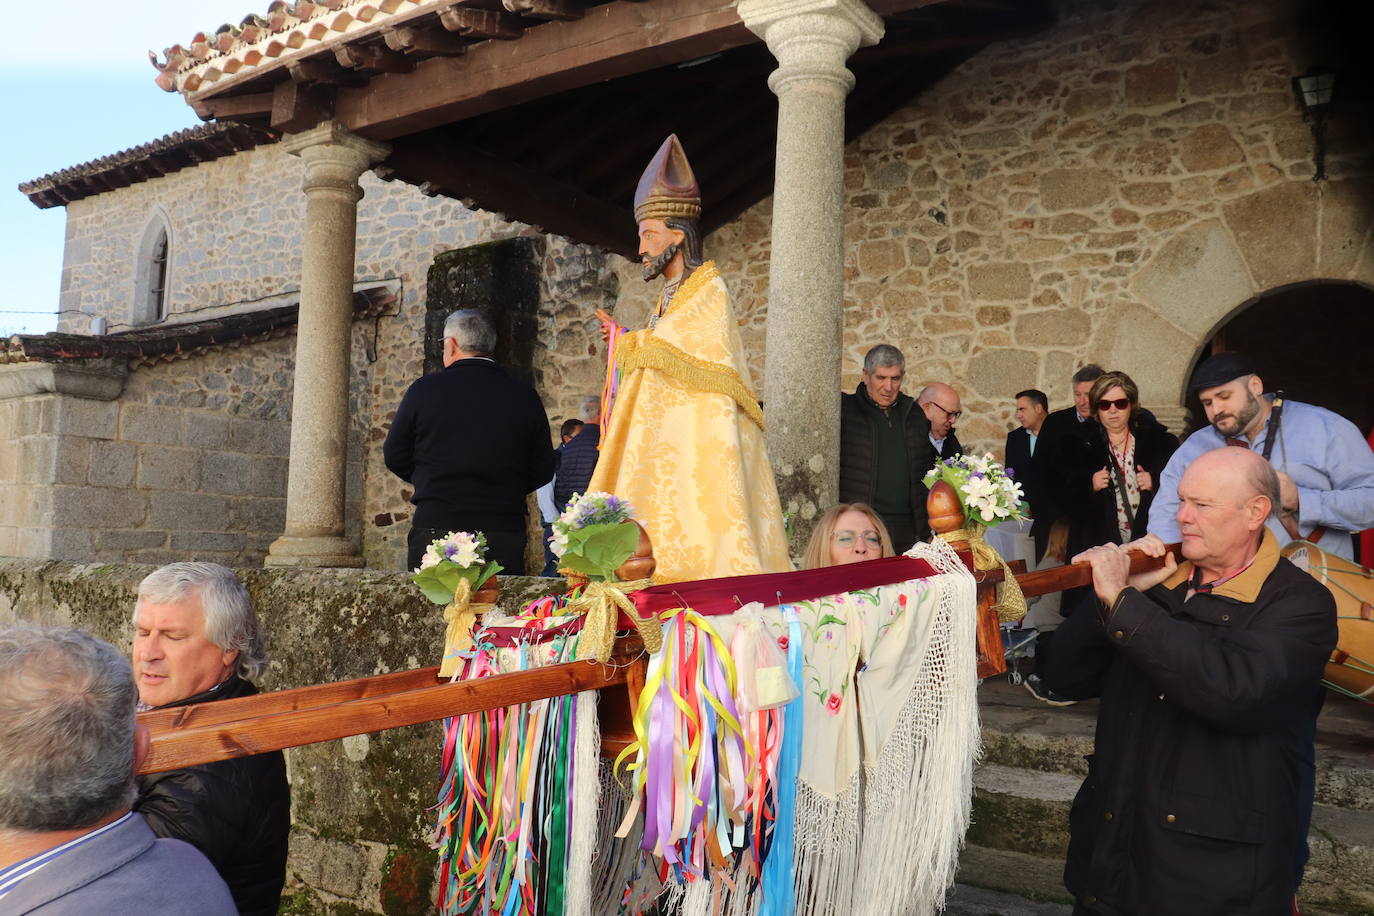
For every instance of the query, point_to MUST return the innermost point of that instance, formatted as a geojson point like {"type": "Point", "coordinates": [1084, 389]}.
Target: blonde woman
{"type": "Point", "coordinates": [847, 533]}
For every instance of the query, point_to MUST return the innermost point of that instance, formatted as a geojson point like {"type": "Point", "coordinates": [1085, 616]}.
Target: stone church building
{"type": "Point", "coordinates": [1127, 182]}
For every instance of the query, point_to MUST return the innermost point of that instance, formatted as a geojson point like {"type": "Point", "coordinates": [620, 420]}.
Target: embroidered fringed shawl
{"type": "Point", "coordinates": [852, 798]}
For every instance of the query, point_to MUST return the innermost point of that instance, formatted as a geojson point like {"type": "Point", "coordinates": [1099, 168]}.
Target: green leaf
{"type": "Point", "coordinates": [829, 619]}
{"type": "Point", "coordinates": [597, 550]}
{"type": "Point", "coordinates": [437, 583]}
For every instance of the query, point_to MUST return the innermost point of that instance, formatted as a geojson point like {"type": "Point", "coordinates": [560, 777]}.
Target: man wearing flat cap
{"type": "Point", "coordinates": [684, 444]}
{"type": "Point", "coordinates": [1325, 467]}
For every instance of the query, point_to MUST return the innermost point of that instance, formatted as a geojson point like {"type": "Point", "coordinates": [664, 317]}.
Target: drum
{"type": "Point", "coordinates": [1351, 669]}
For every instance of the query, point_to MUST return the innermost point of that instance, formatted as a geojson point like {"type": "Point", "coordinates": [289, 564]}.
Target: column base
{"type": "Point", "coordinates": [313, 552]}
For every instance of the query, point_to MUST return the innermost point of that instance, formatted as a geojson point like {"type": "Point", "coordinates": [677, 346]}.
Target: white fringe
{"type": "Point", "coordinates": [826, 850]}
{"type": "Point", "coordinates": [585, 805]}
{"type": "Point", "coordinates": [696, 900]}
{"type": "Point", "coordinates": [918, 794]}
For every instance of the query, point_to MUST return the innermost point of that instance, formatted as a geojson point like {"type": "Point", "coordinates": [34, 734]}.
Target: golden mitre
{"type": "Point", "coordinates": [668, 189]}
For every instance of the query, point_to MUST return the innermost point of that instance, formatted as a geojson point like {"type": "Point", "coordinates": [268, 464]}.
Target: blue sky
{"type": "Point", "coordinates": [81, 88]}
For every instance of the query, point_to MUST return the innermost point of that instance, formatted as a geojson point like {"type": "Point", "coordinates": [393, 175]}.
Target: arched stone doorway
{"type": "Point", "coordinates": [1313, 341]}
{"type": "Point", "coordinates": [1291, 235]}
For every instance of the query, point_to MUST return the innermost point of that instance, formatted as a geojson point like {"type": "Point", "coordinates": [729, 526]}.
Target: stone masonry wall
{"type": "Point", "coordinates": [1113, 189]}
{"type": "Point", "coordinates": [360, 824]}
{"type": "Point", "coordinates": [235, 228]}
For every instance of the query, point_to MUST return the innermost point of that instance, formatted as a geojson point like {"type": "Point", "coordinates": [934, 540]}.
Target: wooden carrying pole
{"type": "Point", "coordinates": [188, 735]}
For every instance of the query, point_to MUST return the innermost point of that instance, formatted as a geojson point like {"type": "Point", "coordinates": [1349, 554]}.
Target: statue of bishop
{"type": "Point", "coordinates": [684, 443]}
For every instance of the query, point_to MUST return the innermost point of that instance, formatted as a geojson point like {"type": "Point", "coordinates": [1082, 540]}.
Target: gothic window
{"type": "Point", "coordinates": [152, 271]}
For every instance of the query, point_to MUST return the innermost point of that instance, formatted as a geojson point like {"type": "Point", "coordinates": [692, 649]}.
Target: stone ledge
{"type": "Point", "coordinates": [100, 380]}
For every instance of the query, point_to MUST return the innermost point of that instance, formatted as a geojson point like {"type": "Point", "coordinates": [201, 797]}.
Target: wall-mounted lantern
{"type": "Point", "coordinates": [1314, 90]}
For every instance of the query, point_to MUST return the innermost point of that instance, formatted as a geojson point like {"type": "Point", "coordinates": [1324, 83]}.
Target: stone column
{"type": "Point", "coordinates": [811, 39]}
{"type": "Point", "coordinates": [334, 158]}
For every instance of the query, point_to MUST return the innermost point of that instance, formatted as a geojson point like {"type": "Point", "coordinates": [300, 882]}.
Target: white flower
{"type": "Point", "coordinates": [559, 543]}
{"type": "Point", "coordinates": [431, 558]}
{"type": "Point", "coordinates": [979, 490]}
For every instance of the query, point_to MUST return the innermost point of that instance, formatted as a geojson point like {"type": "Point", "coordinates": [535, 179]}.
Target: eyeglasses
{"type": "Point", "coordinates": [952, 414]}
{"type": "Point", "coordinates": [1119, 403]}
{"type": "Point", "coordinates": [847, 539]}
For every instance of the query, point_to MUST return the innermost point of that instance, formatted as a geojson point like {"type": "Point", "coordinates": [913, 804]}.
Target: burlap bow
{"type": "Point", "coordinates": [460, 616]}
{"type": "Point", "coordinates": [1011, 602]}
{"type": "Point", "coordinates": [600, 602]}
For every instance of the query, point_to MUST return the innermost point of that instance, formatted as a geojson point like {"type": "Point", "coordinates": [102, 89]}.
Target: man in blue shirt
{"type": "Point", "coordinates": [1324, 465]}
{"type": "Point", "coordinates": [69, 747]}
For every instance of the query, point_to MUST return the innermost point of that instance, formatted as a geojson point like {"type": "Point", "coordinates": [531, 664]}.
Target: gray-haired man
{"type": "Point", "coordinates": [473, 442]}
{"type": "Point", "coordinates": [196, 640]}
{"type": "Point", "coordinates": [68, 751]}
{"type": "Point", "coordinates": [885, 448]}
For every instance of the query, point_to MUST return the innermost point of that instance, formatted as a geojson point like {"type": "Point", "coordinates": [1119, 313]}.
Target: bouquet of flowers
{"type": "Point", "coordinates": [594, 535]}
{"type": "Point", "coordinates": [986, 490]}
{"type": "Point", "coordinates": [456, 556]}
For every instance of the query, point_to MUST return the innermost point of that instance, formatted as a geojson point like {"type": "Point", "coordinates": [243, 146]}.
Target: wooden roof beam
{"type": "Point", "coordinates": [544, 9]}
{"type": "Point", "coordinates": [612, 40]}
{"type": "Point", "coordinates": [481, 25]}
{"type": "Point", "coordinates": [231, 107]}
{"type": "Point", "coordinates": [373, 58]}
{"type": "Point", "coordinates": [466, 173]}
{"type": "Point", "coordinates": [427, 42]}
{"type": "Point", "coordinates": [323, 72]}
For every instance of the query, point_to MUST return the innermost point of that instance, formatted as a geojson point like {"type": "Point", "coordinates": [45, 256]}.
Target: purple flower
{"type": "Point", "coordinates": [1011, 471]}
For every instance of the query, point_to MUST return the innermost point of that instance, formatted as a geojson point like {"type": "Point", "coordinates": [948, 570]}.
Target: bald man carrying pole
{"type": "Point", "coordinates": [1199, 792]}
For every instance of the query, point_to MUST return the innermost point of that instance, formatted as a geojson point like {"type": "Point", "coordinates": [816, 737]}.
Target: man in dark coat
{"type": "Point", "coordinates": [885, 448]}
{"type": "Point", "coordinates": [1064, 429]}
{"type": "Point", "coordinates": [1032, 407]}
{"type": "Point", "coordinates": [196, 640]}
{"type": "Point", "coordinates": [473, 442]}
{"type": "Point", "coordinates": [1199, 792]}
{"type": "Point", "coordinates": [578, 456]}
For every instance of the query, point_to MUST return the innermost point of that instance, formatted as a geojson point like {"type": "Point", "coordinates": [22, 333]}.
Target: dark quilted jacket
{"type": "Point", "coordinates": [237, 812]}
{"type": "Point", "coordinates": [858, 464]}
{"type": "Point", "coordinates": [576, 465]}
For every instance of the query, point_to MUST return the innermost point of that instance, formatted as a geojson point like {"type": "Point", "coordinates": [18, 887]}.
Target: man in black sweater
{"type": "Point", "coordinates": [473, 442]}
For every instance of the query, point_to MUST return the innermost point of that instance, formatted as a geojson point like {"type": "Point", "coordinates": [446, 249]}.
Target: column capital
{"type": "Point", "coordinates": [331, 140]}
{"type": "Point", "coordinates": [830, 16]}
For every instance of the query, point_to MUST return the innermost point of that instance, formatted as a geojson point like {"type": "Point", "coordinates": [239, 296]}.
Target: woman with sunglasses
{"type": "Point", "coordinates": [847, 533]}
{"type": "Point", "coordinates": [1127, 450]}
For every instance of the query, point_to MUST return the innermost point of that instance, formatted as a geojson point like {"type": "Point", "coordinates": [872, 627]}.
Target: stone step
{"type": "Point", "coordinates": [1020, 731]}
{"type": "Point", "coordinates": [1024, 814]}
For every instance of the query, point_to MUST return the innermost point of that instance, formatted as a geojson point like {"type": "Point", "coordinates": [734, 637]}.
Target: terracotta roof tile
{"type": "Point", "coordinates": [287, 29]}
{"type": "Point", "coordinates": [162, 156]}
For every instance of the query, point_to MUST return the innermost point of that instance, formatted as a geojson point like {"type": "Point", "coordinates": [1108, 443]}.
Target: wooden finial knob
{"type": "Point", "coordinates": [943, 508]}
{"type": "Point", "coordinates": [641, 564]}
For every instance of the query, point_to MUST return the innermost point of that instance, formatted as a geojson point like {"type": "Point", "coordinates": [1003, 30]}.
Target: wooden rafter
{"type": "Point", "coordinates": [429, 42]}
{"type": "Point", "coordinates": [545, 9]}
{"type": "Point", "coordinates": [481, 25]}
{"type": "Point", "coordinates": [463, 171]}
{"type": "Point", "coordinates": [373, 58]}
{"type": "Point", "coordinates": [620, 39]}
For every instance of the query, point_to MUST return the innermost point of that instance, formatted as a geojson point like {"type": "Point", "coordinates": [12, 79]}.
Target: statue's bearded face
{"type": "Point", "coordinates": [653, 266]}
{"type": "Point", "coordinates": [658, 245]}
